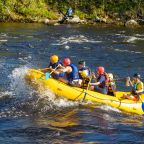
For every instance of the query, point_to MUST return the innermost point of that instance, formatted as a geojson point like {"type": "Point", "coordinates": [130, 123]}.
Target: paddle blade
{"type": "Point", "coordinates": [142, 106]}
{"type": "Point", "coordinates": [47, 75]}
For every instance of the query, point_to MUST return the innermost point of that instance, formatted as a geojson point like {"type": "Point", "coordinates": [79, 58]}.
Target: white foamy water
{"type": "Point", "coordinates": [79, 39]}
{"type": "Point", "coordinates": [53, 101]}
{"type": "Point", "coordinates": [18, 85]}
{"type": "Point", "coordinates": [109, 108]}
{"type": "Point", "coordinates": [128, 51]}
{"type": "Point", "coordinates": [139, 35]}
{"type": "Point", "coordinates": [3, 40]}
{"type": "Point", "coordinates": [3, 37]}
{"type": "Point", "coordinates": [6, 94]}
{"type": "Point", "coordinates": [21, 89]}
{"type": "Point", "coordinates": [132, 39]}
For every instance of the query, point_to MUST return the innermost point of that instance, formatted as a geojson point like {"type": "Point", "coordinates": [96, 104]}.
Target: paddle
{"type": "Point", "coordinates": [87, 89]}
{"type": "Point", "coordinates": [48, 74]}
{"type": "Point", "coordinates": [122, 79]}
{"type": "Point", "coordinates": [142, 103]}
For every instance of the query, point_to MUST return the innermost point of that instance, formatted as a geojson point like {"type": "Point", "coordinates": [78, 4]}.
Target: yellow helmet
{"type": "Point", "coordinates": [110, 75]}
{"type": "Point", "coordinates": [84, 73]}
{"type": "Point", "coordinates": [54, 59]}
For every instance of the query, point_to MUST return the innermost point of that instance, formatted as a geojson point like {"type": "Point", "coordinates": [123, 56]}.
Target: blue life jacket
{"type": "Point", "coordinates": [84, 68]}
{"type": "Point", "coordinates": [74, 74]}
{"type": "Point", "coordinates": [135, 86]}
{"type": "Point", "coordinates": [55, 64]}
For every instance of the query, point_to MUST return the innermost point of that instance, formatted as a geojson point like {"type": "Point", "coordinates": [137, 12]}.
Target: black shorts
{"type": "Point", "coordinates": [136, 94]}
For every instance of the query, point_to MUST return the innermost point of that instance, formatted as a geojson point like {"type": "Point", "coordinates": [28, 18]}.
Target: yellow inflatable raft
{"type": "Point", "coordinates": [37, 79]}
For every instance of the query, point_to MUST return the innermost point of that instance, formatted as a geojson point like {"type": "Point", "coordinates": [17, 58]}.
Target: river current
{"type": "Point", "coordinates": [29, 117]}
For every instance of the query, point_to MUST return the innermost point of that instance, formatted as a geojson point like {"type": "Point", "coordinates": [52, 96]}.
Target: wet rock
{"type": "Point", "coordinates": [46, 21]}
{"type": "Point", "coordinates": [131, 23]}
{"type": "Point", "coordinates": [74, 19]}
{"type": "Point", "coordinates": [50, 22]}
{"type": "Point", "coordinates": [101, 20]}
{"type": "Point", "coordinates": [141, 21]}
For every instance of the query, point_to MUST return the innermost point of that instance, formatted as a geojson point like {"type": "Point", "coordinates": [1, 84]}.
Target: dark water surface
{"type": "Point", "coordinates": [28, 117]}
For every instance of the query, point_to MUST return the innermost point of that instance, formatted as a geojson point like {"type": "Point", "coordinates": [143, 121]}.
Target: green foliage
{"type": "Point", "coordinates": [85, 9]}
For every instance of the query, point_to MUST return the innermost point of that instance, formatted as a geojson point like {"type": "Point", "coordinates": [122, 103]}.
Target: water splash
{"type": "Point", "coordinates": [27, 101]}
{"type": "Point", "coordinates": [18, 86]}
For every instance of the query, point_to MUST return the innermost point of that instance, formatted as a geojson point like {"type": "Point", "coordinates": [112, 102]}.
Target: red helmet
{"type": "Point", "coordinates": [66, 61]}
{"type": "Point", "coordinates": [100, 70]}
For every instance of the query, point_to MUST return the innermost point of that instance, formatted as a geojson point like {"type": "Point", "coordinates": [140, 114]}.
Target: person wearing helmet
{"type": "Point", "coordinates": [85, 79]}
{"type": "Point", "coordinates": [137, 87]}
{"type": "Point", "coordinates": [71, 72]}
{"type": "Point", "coordinates": [82, 67]}
{"type": "Point", "coordinates": [55, 63]}
{"type": "Point", "coordinates": [111, 85]}
{"type": "Point", "coordinates": [100, 84]}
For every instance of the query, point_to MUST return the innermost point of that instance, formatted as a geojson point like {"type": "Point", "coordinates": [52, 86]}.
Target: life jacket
{"type": "Point", "coordinates": [111, 88]}
{"type": "Point", "coordinates": [74, 74]}
{"type": "Point", "coordinates": [55, 64]}
{"type": "Point", "coordinates": [83, 69]}
{"type": "Point", "coordinates": [137, 86]}
{"type": "Point", "coordinates": [105, 83]}
{"type": "Point", "coordinates": [56, 76]}
{"type": "Point", "coordinates": [85, 83]}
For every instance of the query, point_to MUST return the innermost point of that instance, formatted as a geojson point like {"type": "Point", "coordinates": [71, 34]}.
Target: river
{"type": "Point", "coordinates": [28, 117]}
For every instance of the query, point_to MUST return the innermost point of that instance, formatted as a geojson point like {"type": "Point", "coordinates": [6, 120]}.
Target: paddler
{"type": "Point", "coordinates": [85, 79]}
{"type": "Point", "coordinates": [71, 72]}
{"type": "Point", "coordinates": [111, 85]}
{"type": "Point", "coordinates": [137, 87]}
{"type": "Point", "coordinates": [101, 80]}
{"type": "Point", "coordinates": [83, 68]}
{"type": "Point", "coordinates": [69, 14]}
{"type": "Point", "coordinates": [55, 63]}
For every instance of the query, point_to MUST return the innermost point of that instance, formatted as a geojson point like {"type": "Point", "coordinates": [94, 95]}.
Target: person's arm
{"type": "Point", "coordinates": [95, 84]}
{"type": "Point", "coordinates": [102, 79]}
{"type": "Point", "coordinates": [67, 69]}
{"type": "Point", "coordinates": [55, 71]}
{"type": "Point", "coordinates": [94, 77]}
{"type": "Point", "coordinates": [131, 83]}
{"type": "Point", "coordinates": [139, 91]}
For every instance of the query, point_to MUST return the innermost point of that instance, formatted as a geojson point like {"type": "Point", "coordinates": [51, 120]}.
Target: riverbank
{"type": "Point", "coordinates": [87, 12]}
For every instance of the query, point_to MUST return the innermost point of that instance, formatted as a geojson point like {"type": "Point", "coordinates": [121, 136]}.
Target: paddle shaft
{"type": "Point", "coordinates": [87, 89]}
{"type": "Point", "coordinates": [54, 69]}
{"type": "Point", "coordinates": [122, 79]}
{"type": "Point", "coordinates": [50, 72]}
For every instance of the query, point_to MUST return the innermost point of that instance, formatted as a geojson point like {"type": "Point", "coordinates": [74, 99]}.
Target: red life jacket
{"type": "Point", "coordinates": [104, 83]}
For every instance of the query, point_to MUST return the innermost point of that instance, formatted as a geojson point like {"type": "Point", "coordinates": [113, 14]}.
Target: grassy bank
{"type": "Point", "coordinates": [35, 10]}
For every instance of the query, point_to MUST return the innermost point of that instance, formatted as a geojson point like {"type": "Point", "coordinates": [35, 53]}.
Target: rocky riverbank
{"type": "Point", "coordinates": [124, 13]}
{"type": "Point", "coordinates": [131, 23]}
